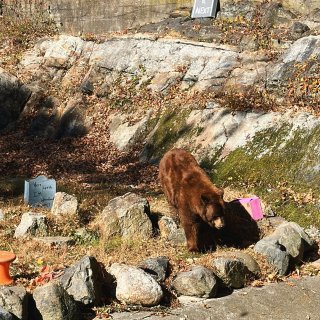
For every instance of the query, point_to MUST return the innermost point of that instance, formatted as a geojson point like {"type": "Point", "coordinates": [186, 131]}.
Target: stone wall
{"type": "Point", "coordinates": [97, 16]}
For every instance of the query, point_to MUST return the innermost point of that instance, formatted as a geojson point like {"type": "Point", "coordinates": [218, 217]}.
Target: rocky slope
{"type": "Point", "coordinates": [240, 92]}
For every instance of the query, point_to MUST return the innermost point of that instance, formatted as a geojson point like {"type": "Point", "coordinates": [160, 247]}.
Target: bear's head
{"type": "Point", "coordinates": [213, 209]}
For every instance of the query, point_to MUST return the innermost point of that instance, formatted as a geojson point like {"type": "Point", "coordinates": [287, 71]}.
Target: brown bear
{"type": "Point", "coordinates": [198, 201]}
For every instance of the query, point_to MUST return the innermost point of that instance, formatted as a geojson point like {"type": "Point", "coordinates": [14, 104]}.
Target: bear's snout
{"type": "Point", "coordinates": [219, 223]}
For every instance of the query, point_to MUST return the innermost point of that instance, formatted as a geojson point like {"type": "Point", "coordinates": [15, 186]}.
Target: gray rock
{"type": "Point", "coordinates": [293, 238]}
{"type": "Point", "coordinates": [58, 241]}
{"type": "Point", "coordinates": [32, 224]}
{"type": "Point", "coordinates": [134, 286]}
{"type": "Point", "coordinates": [275, 254]}
{"type": "Point", "coordinates": [300, 51]}
{"type": "Point", "coordinates": [231, 271]}
{"type": "Point", "coordinates": [315, 15]}
{"type": "Point", "coordinates": [199, 282]}
{"type": "Point", "coordinates": [247, 260]}
{"type": "Point", "coordinates": [73, 121]}
{"type": "Point", "coordinates": [164, 57]}
{"type": "Point", "coordinates": [170, 231]}
{"type": "Point", "coordinates": [64, 204]}
{"type": "Point", "coordinates": [87, 87]}
{"type": "Point", "coordinates": [167, 226]}
{"type": "Point", "coordinates": [2, 216]}
{"type": "Point", "coordinates": [156, 267]}
{"type": "Point", "coordinates": [15, 301]}
{"type": "Point", "coordinates": [53, 303]}
{"type": "Point", "coordinates": [178, 237]}
{"type": "Point", "coordinates": [123, 134]}
{"type": "Point", "coordinates": [126, 216]}
{"type": "Point", "coordinates": [13, 97]}
{"type": "Point", "coordinates": [64, 52]}
{"type": "Point", "coordinates": [287, 241]}
{"type": "Point", "coordinates": [274, 14]}
{"type": "Point", "coordinates": [298, 29]}
{"type": "Point", "coordinates": [83, 281]}
{"type": "Point", "coordinates": [5, 315]}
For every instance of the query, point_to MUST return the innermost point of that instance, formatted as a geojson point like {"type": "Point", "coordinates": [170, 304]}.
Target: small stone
{"type": "Point", "coordinates": [231, 271]}
{"type": "Point", "coordinates": [178, 237]}
{"type": "Point", "coordinates": [1, 215]}
{"type": "Point", "coordinates": [134, 286]}
{"type": "Point", "coordinates": [199, 282]}
{"type": "Point", "coordinates": [293, 238]}
{"type": "Point", "coordinates": [167, 226]}
{"type": "Point", "coordinates": [31, 224]}
{"type": "Point", "coordinates": [156, 267]}
{"type": "Point", "coordinates": [298, 29]}
{"type": "Point", "coordinates": [247, 260]}
{"type": "Point", "coordinates": [64, 204]}
{"type": "Point", "coordinates": [58, 241]}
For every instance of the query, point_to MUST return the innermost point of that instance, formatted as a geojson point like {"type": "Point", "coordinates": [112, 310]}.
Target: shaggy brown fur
{"type": "Point", "coordinates": [198, 201]}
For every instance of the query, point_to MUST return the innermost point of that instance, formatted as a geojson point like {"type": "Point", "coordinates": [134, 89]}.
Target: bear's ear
{"type": "Point", "coordinates": [206, 198]}
{"type": "Point", "coordinates": [220, 192]}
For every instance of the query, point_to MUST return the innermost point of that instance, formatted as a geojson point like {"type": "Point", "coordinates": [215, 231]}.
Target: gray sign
{"type": "Point", "coordinates": [204, 8]}
{"type": "Point", "coordinates": [40, 191]}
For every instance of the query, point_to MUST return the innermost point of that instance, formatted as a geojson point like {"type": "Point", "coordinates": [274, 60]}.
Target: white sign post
{"type": "Point", "coordinates": [204, 9]}
{"type": "Point", "coordinates": [40, 191]}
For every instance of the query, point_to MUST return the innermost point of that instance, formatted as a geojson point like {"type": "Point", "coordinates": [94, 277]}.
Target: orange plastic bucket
{"type": "Point", "coordinates": [6, 258]}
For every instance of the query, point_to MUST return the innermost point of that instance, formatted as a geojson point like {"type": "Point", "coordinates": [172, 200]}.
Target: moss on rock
{"type": "Point", "coordinates": [278, 165]}
{"type": "Point", "coordinates": [170, 127]}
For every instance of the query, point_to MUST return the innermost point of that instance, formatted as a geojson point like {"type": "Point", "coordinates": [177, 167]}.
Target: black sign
{"type": "Point", "coordinates": [205, 8]}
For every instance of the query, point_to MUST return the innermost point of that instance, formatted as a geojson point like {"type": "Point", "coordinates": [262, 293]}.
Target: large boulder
{"type": "Point", "coordinates": [15, 301]}
{"type": "Point", "coordinates": [275, 254]}
{"type": "Point", "coordinates": [288, 241]}
{"type": "Point", "coordinates": [135, 286]}
{"type": "Point", "coordinates": [13, 97]}
{"type": "Point", "coordinates": [126, 216]}
{"type": "Point", "coordinates": [293, 238]}
{"type": "Point", "coordinates": [198, 282]}
{"type": "Point", "coordinates": [83, 281]}
{"type": "Point", "coordinates": [53, 303]}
